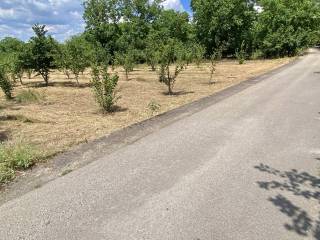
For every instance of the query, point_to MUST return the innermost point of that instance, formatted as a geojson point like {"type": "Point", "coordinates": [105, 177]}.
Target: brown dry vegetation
{"type": "Point", "coordinates": [69, 115]}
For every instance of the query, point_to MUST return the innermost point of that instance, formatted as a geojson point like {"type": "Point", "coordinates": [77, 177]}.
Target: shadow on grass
{"type": "Point", "coordinates": [178, 93]}
{"type": "Point", "coordinates": [4, 136]}
{"type": "Point", "coordinates": [141, 79]}
{"type": "Point", "coordinates": [213, 83]}
{"type": "Point", "coordinates": [115, 109]}
{"type": "Point", "coordinates": [129, 79]}
{"type": "Point", "coordinates": [18, 117]}
{"type": "Point", "coordinates": [70, 84]}
{"type": "Point", "coordinates": [300, 184]}
{"type": "Point", "coordinates": [8, 118]}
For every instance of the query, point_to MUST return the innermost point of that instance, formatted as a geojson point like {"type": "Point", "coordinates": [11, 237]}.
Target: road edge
{"type": "Point", "coordinates": [86, 153]}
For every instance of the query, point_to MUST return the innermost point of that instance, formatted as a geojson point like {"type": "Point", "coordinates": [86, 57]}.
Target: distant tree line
{"type": "Point", "coordinates": [128, 32]}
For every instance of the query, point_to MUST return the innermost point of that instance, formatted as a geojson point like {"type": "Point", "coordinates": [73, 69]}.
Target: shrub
{"type": "Point", "coordinates": [127, 61]}
{"type": "Point", "coordinates": [62, 60]}
{"type": "Point", "coordinates": [198, 53]}
{"type": "Point", "coordinates": [104, 87]}
{"type": "Point", "coordinates": [214, 58]}
{"type": "Point", "coordinates": [6, 174]}
{"type": "Point", "coordinates": [77, 56]}
{"type": "Point", "coordinates": [171, 53]}
{"type": "Point", "coordinates": [258, 54]}
{"type": "Point", "coordinates": [17, 68]}
{"type": "Point", "coordinates": [169, 78]}
{"type": "Point", "coordinates": [154, 106]}
{"type": "Point", "coordinates": [152, 56]}
{"type": "Point", "coordinates": [241, 54]}
{"type": "Point", "coordinates": [15, 157]}
{"type": "Point", "coordinates": [28, 96]}
{"type": "Point", "coordinates": [5, 84]}
{"type": "Point", "coordinates": [188, 55]}
{"type": "Point", "coordinates": [42, 51]}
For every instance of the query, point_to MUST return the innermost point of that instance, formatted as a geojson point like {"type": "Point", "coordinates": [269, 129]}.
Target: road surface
{"type": "Point", "coordinates": [244, 168]}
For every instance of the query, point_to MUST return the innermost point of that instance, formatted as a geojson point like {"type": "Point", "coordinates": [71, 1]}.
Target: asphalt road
{"type": "Point", "coordinates": [244, 168]}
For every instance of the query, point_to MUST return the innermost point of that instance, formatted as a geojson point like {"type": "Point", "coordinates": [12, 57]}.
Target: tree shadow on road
{"type": "Point", "coordinates": [300, 184]}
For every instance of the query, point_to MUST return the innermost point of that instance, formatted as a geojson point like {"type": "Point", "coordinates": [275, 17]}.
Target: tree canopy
{"type": "Point", "coordinates": [224, 22]}
{"type": "Point", "coordinates": [285, 27]}
{"type": "Point", "coordinates": [43, 49]}
{"type": "Point", "coordinates": [128, 32]}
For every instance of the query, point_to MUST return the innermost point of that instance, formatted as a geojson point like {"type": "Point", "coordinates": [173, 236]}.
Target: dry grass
{"type": "Point", "coordinates": [69, 115]}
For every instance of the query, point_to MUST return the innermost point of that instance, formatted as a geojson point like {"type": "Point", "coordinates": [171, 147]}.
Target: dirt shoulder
{"type": "Point", "coordinates": [69, 116]}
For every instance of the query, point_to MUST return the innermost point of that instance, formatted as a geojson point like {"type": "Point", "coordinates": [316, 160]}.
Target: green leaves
{"type": "Point", "coordinates": [104, 87]}
{"type": "Point", "coordinates": [15, 157]}
{"type": "Point", "coordinates": [115, 24]}
{"type": "Point", "coordinates": [171, 52]}
{"type": "Point", "coordinates": [241, 54]}
{"type": "Point", "coordinates": [127, 60]}
{"type": "Point", "coordinates": [223, 21]}
{"type": "Point", "coordinates": [42, 52]}
{"type": "Point", "coordinates": [11, 52]}
{"type": "Point", "coordinates": [282, 28]}
{"type": "Point", "coordinates": [5, 84]}
{"type": "Point", "coordinates": [76, 54]}
{"type": "Point", "coordinates": [286, 27]}
{"type": "Point", "coordinates": [214, 58]}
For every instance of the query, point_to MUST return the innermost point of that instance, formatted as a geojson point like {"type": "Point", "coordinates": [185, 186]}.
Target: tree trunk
{"type": "Point", "coordinates": [14, 79]}
{"type": "Point", "coordinates": [29, 74]}
{"type": "Point", "coordinates": [77, 79]}
{"type": "Point", "coordinates": [67, 74]}
{"type": "Point", "coordinates": [45, 77]}
{"type": "Point", "coordinates": [127, 75]}
{"type": "Point", "coordinates": [170, 88]}
{"type": "Point", "coordinates": [169, 81]}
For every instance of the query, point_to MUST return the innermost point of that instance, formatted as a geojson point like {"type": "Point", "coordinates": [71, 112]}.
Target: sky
{"type": "Point", "coordinates": [63, 18]}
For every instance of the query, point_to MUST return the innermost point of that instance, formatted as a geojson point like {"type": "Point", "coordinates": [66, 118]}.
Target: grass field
{"type": "Point", "coordinates": [65, 115]}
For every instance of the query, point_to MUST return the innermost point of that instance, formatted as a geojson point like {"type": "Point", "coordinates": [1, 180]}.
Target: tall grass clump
{"type": "Point", "coordinates": [241, 54]}
{"type": "Point", "coordinates": [29, 96]}
{"type": "Point", "coordinates": [15, 157]}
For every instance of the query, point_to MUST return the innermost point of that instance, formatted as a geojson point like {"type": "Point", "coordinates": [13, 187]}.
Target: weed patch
{"type": "Point", "coordinates": [15, 157]}
{"type": "Point", "coordinates": [29, 96]}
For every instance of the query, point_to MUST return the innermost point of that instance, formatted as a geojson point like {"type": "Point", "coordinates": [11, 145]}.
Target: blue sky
{"type": "Point", "coordinates": [62, 17]}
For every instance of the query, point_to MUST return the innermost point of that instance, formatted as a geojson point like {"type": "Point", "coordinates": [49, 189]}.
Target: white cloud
{"type": "Point", "coordinates": [63, 18]}
{"type": "Point", "coordinates": [173, 4]}
{"type": "Point", "coordinates": [7, 13]}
